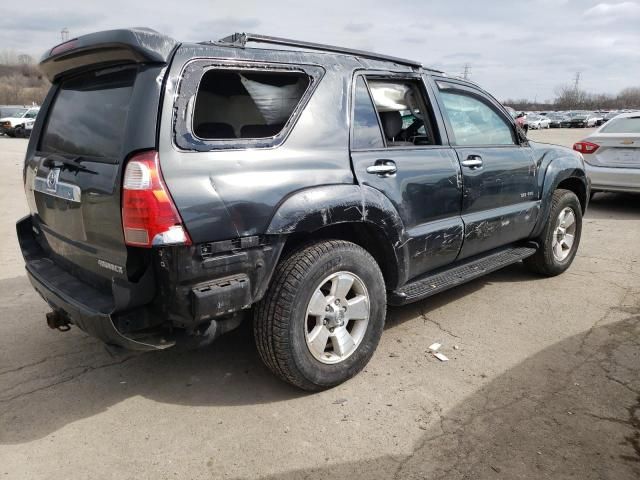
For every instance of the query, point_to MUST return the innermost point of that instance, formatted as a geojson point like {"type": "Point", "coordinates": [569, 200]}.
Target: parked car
{"type": "Point", "coordinates": [538, 122]}
{"type": "Point", "coordinates": [181, 184]}
{"type": "Point", "coordinates": [583, 120]}
{"type": "Point", "coordinates": [556, 119]}
{"type": "Point", "coordinates": [522, 122]}
{"type": "Point", "coordinates": [9, 125]}
{"type": "Point", "coordinates": [609, 115]}
{"type": "Point", "coordinates": [612, 154]}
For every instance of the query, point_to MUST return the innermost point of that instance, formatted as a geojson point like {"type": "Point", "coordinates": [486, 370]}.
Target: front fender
{"type": "Point", "coordinates": [314, 208]}
{"type": "Point", "coordinates": [555, 165]}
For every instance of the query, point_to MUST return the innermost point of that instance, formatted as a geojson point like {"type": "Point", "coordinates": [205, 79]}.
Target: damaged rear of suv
{"type": "Point", "coordinates": [173, 187]}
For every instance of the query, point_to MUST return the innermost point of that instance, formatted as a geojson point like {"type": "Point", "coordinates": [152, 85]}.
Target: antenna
{"type": "Point", "coordinates": [64, 34]}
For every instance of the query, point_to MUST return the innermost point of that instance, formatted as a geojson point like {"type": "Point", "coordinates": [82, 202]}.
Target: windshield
{"type": "Point", "coordinates": [15, 112]}
{"type": "Point", "coordinates": [89, 114]}
{"type": "Point", "coordinates": [622, 125]}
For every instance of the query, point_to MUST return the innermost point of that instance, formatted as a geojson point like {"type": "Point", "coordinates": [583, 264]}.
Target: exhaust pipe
{"type": "Point", "coordinates": [58, 321]}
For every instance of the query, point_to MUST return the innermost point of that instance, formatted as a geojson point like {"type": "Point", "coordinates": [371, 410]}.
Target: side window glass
{"type": "Point", "coordinates": [474, 122]}
{"type": "Point", "coordinates": [366, 130]}
{"type": "Point", "coordinates": [246, 104]}
{"type": "Point", "coordinates": [403, 114]}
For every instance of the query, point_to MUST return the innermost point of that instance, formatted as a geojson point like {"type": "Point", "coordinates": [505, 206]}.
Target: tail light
{"type": "Point", "coordinates": [585, 147]}
{"type": "Point", "coordinates": [149, 216]}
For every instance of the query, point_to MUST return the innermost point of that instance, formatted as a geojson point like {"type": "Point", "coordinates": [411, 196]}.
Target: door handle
{"type": "Point", "coordinates": [472, 161]}
{"type": "Point", "coordinates": [383, 168]}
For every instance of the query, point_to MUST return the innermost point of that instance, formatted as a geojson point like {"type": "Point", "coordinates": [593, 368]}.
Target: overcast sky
{"type": "Point", "coordinates": [515, 48]}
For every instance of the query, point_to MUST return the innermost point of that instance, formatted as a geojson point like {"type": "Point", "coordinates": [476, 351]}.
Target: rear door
{"type": "Point", "coordinates": [73, 175]}
{"type": "Point", "coordinates": [500, 196]}
{"type": "Point", "coordinates": [396, 148]}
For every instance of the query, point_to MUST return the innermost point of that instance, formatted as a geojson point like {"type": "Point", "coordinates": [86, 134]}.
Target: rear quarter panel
{"type": "Point", "coordinates": [227, 193]}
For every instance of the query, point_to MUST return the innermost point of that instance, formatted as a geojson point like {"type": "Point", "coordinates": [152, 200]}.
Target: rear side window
{"type": "Point", "coordinates": [474, 122]}
{"type": "Point", "coordinates": [88, 115]}
{"type": "Point", "coordinates": [246, 104]}
{"type": "Point", "coordinates": [394, 107]}
{"type": "Point", "coordinates": [622, 125]}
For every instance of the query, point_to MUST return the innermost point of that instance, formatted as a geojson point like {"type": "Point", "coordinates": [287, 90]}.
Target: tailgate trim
{"type": "Point", "coordinates": [51, 186]}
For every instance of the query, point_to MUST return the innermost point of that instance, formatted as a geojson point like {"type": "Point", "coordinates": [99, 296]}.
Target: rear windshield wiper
{"type": "Point", "coordinates": [53, 161]}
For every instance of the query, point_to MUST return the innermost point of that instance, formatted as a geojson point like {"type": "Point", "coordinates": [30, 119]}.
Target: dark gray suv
{"type": "Point", "coordinates": [174, 187]}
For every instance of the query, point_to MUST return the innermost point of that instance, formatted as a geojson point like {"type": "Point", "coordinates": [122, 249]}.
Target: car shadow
{"type": "Point", "coordinates": [92, 378]}
{"type": "Point", "coordinates": [569, 411]}
{"type": "Point", "coordinates": [617, 206]}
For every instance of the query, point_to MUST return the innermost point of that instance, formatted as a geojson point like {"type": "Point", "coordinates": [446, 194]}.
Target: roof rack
{"type": "Point", "coordinates": [241, 39]}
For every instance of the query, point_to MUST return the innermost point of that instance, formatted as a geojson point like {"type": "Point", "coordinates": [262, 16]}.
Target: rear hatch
{"type": "Point", "coordinates": [100, 111]}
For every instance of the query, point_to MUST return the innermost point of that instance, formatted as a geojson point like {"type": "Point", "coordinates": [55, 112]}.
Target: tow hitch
{"type": "Point", "coordinates": [58, 321]}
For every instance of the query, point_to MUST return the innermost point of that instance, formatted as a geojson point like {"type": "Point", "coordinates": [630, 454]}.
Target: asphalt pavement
{"type": "Point", "coordinates": [542, 381]}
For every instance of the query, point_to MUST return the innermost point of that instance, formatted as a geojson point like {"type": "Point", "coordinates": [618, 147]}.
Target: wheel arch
{"type": "Point", "coordinates": [563, 171]}
{"type": "Point", "coordinates": [355, 213]}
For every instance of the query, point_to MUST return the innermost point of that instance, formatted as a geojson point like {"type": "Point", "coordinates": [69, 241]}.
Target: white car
{"type": "Point", "coordinates": [612, 155]}
{"type": "Point", "coordinates": [13, 125]}
{"type": "Point", "coordinates": [537, 122]}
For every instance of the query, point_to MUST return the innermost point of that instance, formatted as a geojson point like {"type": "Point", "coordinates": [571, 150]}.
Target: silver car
{"type": "Point", "coordinates": [612, 154]}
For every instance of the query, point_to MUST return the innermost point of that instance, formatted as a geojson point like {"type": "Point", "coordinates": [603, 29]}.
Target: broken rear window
{"type": "Point", "coordinates": [234, 104]}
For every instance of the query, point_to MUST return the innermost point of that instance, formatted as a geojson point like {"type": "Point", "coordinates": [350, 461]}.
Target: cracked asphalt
{"type": "Point", "coordinates": [543, 382]}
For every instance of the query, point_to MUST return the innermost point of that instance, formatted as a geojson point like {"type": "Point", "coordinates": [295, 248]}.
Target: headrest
{"type": "Point", "coordinates": [391, 124]}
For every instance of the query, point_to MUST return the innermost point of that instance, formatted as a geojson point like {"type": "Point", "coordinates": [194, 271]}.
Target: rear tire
{"type": "Point", "coordinates": [300, 324]}
{"type": "Point", "coordinates": [561, 236]}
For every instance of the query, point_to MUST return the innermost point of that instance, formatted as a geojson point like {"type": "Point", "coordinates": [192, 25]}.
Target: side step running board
{"type": "Point", "coordinates": [460, 273]}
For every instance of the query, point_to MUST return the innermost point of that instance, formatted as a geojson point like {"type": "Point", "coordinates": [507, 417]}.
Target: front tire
{"type": "Point", "coordinates": [561, 236]}
{"type": "Point", "coordinates": [323, 315]}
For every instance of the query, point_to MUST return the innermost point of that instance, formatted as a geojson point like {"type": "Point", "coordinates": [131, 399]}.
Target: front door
{"type": "Point", "coordinates": [396, 149]}
{"type": "Point", "coordinates": [500, 194]}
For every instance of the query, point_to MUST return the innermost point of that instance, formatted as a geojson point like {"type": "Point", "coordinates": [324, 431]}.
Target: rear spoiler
{"type": "Point", "coordinates": [134, 45]}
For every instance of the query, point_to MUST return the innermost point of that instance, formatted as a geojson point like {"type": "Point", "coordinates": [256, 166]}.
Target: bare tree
{"type": "Point", "coordinates": [8, 57]}
{"type": "Point", "coordinates": [24, 59]}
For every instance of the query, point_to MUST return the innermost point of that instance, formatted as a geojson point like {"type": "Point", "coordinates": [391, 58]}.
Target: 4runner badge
{"type": "Point", "coordinates": [110, 266]}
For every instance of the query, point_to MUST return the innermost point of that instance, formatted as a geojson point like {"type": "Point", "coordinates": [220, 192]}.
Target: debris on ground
{"type": "Point", "coordinates": [433, 349]}
{"type": "Point", "coordinates": [441, 356]}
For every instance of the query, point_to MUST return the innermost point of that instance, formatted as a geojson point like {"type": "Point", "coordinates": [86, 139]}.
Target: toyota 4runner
{"type": "Point", "coordinates": [173, 187]}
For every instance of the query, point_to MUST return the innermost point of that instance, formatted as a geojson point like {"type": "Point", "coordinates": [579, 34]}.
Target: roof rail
{"type": "Point", "coordinates": [241, 39]}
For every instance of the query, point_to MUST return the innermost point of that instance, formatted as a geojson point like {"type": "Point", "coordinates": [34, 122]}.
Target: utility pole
{"type": "Point", "coordinates": [576, 84]}
{"type": "Point", "coordinates": [467, 71]}
{"type": "Point", "coordinates": [64, 34]}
